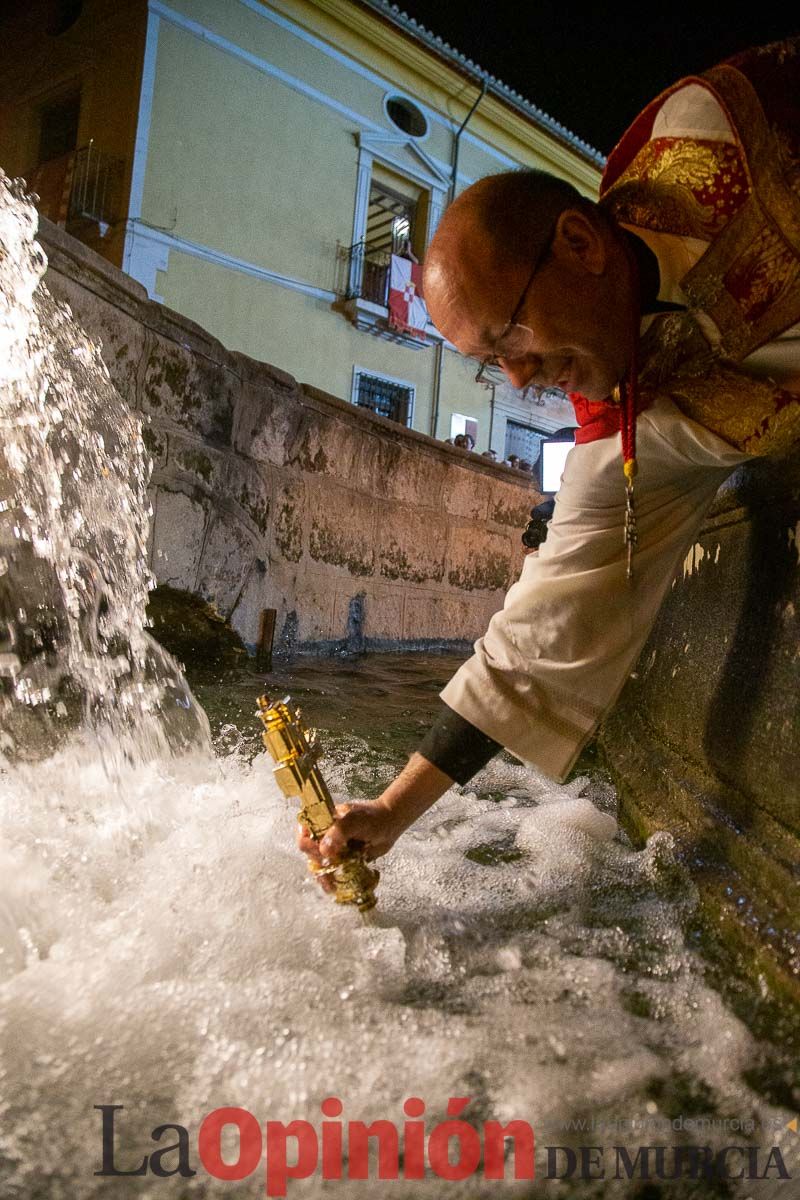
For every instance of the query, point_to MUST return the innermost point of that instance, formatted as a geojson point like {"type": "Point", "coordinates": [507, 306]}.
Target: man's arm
{"type": "Point", "coordinates": [555, 658]}
{"type": "Point", "coordinates": [457, 747]}
{"type": "Point", "coordinates": [452, 751]}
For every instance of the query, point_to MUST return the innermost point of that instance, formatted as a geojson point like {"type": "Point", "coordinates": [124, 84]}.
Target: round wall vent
{"type": "Point", "coordinates": [406, 116]}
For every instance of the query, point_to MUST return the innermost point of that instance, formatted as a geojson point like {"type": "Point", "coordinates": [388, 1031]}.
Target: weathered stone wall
{"type": "Point", "coordinates": [269, 494]}
{"type": "Point", "coordinates": [705, 741]}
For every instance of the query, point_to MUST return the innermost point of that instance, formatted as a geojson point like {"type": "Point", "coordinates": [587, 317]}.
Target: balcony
{"type": "Point", "coordinates": [364, 276]}
{"type": "Point", "coordinates": [368, 275]}
{"type": "Point", "coordinates": [79, 191]}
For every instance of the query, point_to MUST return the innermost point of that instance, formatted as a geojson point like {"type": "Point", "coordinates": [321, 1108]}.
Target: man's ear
{"type": "Point", "coordinates": [579, 242]}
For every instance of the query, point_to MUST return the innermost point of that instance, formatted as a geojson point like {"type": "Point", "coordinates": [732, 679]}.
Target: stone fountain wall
{"type": "Point", "coordinates": [270, 494]}
{"type": "Point", "coordinates": [705, 741]}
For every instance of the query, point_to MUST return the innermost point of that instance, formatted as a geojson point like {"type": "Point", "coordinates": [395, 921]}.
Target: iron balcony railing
{"type": "Point", "coordinates": [96, 183]}
{"type": "Point", "coordinates": [83, 185]}
{"type": "Point", "coordinates": [368, 274]}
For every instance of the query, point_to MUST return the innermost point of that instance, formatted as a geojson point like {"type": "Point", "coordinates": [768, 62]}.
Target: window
{"type": "Point", "coordinates": [58, 127]}
{"type": "Point", "coordinates": [406, 116]}
{"type": "Point", "coordinates": [391, 229]}
{"type": "Point", "coordinates": [400, 194]}
{"type": "Point", "coordinates": [523, 441]}
{"type": "Point", "coordinates": [390, 220]}
{"type": "Point", "coordinates": [388, 397]}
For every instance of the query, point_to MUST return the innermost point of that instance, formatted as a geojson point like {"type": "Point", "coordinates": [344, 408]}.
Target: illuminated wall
{"type": "Point", "coordinates": [250, 139]}
{"type": "Point", "coordinates": [265, 127]}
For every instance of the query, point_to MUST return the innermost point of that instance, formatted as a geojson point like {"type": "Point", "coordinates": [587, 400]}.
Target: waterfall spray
{"type": "Point", "coordinates": [74, 515]}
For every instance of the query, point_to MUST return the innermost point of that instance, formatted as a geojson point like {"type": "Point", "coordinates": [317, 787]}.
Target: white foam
{"type": "Point", "coordinates": [172, 956]}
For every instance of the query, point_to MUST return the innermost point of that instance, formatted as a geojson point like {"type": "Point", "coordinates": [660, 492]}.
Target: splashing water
{"type": "Point", "coordinates": [161, 946]}
{"type": "Point", "coordinates": [73, 533]}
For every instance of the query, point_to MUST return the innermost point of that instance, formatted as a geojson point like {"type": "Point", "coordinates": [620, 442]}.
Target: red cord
{"type": "Point", "coordinates": [629, 395]}
{"type": "Point", "coordinates": [629, 387]}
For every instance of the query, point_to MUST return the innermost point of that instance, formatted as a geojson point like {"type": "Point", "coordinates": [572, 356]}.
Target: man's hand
{"type": "Point", "coordinates": [377, 824]}
{"type": "Point", "coordinates": [368, 825]}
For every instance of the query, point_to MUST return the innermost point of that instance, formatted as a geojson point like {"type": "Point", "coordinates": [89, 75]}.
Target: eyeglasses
{"type": "Point", "coordinates": [515, 339]}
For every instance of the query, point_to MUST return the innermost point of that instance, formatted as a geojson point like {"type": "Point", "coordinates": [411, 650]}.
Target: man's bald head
{"type": "Point", "coordinates": [493, 233]}
{"type": "Point", "coordinates": [528, 245]}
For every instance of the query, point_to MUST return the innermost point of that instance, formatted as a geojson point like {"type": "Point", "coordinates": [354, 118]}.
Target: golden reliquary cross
{"type": "Point", "coordinates": [296, 751]}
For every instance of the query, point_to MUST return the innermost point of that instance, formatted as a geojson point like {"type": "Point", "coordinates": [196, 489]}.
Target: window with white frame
{"type": "Point", "coordinates": [400, 194]}
{"type": "Point", "coordinates": [392, 398]}
{"type": "Point", "coordinates": [406, 115]}
{"type": "Point", "coordinates": [392, 225]}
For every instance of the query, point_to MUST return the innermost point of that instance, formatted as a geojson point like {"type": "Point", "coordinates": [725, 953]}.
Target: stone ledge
{"type": "Point", "coordinates": [68, 256]}
{"type": "Point", "coordinates": [272, 494]}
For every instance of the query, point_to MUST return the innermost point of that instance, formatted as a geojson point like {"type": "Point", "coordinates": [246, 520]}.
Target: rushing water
{"type": "Point", "coordinates": [162, 948]}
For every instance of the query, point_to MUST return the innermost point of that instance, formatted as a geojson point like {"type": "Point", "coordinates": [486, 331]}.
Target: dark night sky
{"type": "Point", "coordinates": [590, 67]}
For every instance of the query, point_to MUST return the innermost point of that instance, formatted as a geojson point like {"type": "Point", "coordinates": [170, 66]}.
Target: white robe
{"type": "Point", "coordinates": [555, 658]}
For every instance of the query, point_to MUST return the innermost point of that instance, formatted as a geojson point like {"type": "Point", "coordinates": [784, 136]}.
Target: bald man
{"type": "Point", "coordinates": [682, 290]}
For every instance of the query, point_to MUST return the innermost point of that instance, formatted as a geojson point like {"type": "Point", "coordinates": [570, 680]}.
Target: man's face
{"type": "Point", "coordinates": [577, 331]}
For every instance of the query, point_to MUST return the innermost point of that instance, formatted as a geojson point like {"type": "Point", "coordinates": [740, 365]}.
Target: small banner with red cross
{"type": "Point", "coordinates": [407, 311]}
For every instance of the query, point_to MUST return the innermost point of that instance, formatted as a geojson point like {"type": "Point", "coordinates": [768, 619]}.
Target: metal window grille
{"type": "Point", "coordinates": [523, 440]}
{"type": "Point", "coordinates": [381, 396]}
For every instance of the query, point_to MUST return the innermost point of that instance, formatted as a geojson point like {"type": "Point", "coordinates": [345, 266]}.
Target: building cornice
{"type": "Point", "coordinates": [495, 87]}
{"type": "Point", "coordinates": [387, 32]}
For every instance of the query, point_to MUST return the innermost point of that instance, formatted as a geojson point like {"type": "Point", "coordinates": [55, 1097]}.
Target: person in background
{"type": "Point", "coordinates": [404, 250]}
